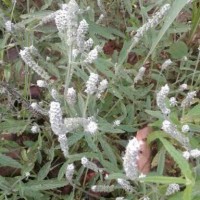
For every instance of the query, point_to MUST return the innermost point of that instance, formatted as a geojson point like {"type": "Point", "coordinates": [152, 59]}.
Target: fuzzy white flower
{"type": "Point", "coordinates": [146, 198]}
{"type": "Point", "coordinates": [27, 58]}
{"type": "Point", "coordinates": [117, 122]}
{"type": "Point", "coordinates": [188, 99]}
{"type": "Point", "coordinates": [152, 22]}
{"type": "Point", "coordinates": [92, 55]}
{"type": "Point", "coordinates": [166, 64]}
{"type": "Point", "coordinates": [88, 44]}
{"type": "Point", "coordinates": [120, 198]}
{"type": "Point", "coordinates": [91, 127]}
{"type": "Point", "coordinates": [69, 172]}
{"type": "Point", "coordinates": [172, 188]}
{"type": "Point", "coordinates": [55, 118]}
{"type": "Point", "coordinates": [195, 153]}
{"type": "Point", "coordinates": [81, 32]}
{"type": "Point", "coordinates": [130, 159]}
{"type": "Point", "coordinates": [35, 129]}
{"type": "Point", "coordinates": [102, 87]}
{"type": "Point", "coordinates": [161, 98]}
{"type": "Point", "coordinates": [9, 26]}
{"type": "Point", "coordinates": [62, 138]}
{"type": "Point", "coordinates": [170, 129]}
{"type": "Point", "coordinates": [54, 94]}
{"type": "Point", "coordinates": [140, 74]}
{"type": "Point", "coordinates": [42, 84]}
{"type": "Point", "coordinates": [71, 96]}
{"type": "Point", "coordinates": [38, 108]}
{"type": "Point", "coordinates": [125, 185]}
{"type": "Point", "coordinates": [186, 155]}
{"type": "Point", "coordinates": [102, 188]}
{"type": "Point", "coordinates": [185, 128]}
{"type": "Point", "coordinates": [91, 84]}
{"type": "Point", "coordinates": [183, 87]}
{"type": "Point", "coordinates": [173, 102]}
{"type": "Point", "coordinates": [90, 165]}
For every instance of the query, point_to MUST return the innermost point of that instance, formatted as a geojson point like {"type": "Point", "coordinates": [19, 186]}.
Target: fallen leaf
{"type": "Point", "coordinates": [144, 158]}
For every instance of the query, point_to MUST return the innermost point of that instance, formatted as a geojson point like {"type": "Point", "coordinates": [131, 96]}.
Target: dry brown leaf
{"type": "Point", "coordinates": [144, 158]}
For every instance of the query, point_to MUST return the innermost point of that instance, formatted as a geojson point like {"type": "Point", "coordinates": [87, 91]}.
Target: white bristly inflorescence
{"type": "Point", "coordinates": [188, 99]}
{"type": "Point", "coordinates": [173, 102]}
{"type": "Point", "coordinates": [42, 83]}
{"type": "Point", "coordinates": [81, 33]}
{"type": "Point", "coordinates": [9, 26]}
{"type": "Point", "coordinates": [90, 165]}
{"type": "Point", "coordinates": [35, 129]}
{"type": "Point", "coordinates": [194, 153]}
{"type": "Point", "coordinates": [130, 159]}
{"type": "Point", "coordinates": [185, 128]}
{"type": "Point", "coordinates": [66, 21]}
{"type": "Point", "coordinates": [91, 127]}
{"type": "Point", "coordinates": [171, 129]}
{"type": "Point", "coordinates": [152, 22]}
{"type": "Point", "coordinates": [166, 64]}
{"type": "Point", "coordinates": [58, 127]}
{"type": "Point", "coordinates": [92, 55]}
{"type": "Point", "coordinates": [91, 84]}
{"type": "Point", "coordinates": [69, 172]}
{"type": "Point", "coordinates": [55, 117]}
{"type": "Point", "coordinates": [103, 85]}
{"type": "Point", "coordinates": [161, 98]}
{"type": "Point", "coordinates": [38, 108]}
{"type": "Point", "coordinates": [183, 87]}
{"type": "Point", "coordinates": [71, 96]}
{"type": "Point", "coordinates": [27, 58]}
{"type": "Point", "coordinates": [102, 188]}
{"type": "Point", "coordinates": [125, 185]}
{"type": "Point", "coordinates": [140, 74]}
{"type": "Point", "coordinates": [172, 188]}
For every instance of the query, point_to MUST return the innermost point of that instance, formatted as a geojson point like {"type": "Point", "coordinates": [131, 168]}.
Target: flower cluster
{"type": "Point", "coordinates": [38, 108]}
{"type": "Point", "coordinates": [188, 99]}
{"type": "Point", "coordinates": [58, 127]}
{"type": "Point", "coordinates": [28, 59]}
{"type": "Point", "coordinates": [130, 158]}
{"type": "Point", "coordinates": [35, 129]}
{"type": "Point", "coordinates": [173, 102]}
{"type": "Point", "coordinates": [93, 85]}
{"type": "Point", "coordinates": [69, 172]}
{"type": "Point", "coordinates": [166, 64]}
{"type": "Point", "coordinates": [194, 153]}
{"type": "Point", "coordinates": [154, 21]}
{"type": "Point", "coordinates": [172, 188]}
{"type": "Point", "coordinates": [140, 74]}
{"type": "Point", "coordinates": [171, 129]}
{"type": "Point", "coordinates": [102, 188]}
{"type": "Point", "coordinates": [71, 96]}
{"type": "Point", "coordinates": [90, 165]}
{"type": "Point", "coordinates": [125, 185]}
{"type": "Point", "coordinates": [161, 98]}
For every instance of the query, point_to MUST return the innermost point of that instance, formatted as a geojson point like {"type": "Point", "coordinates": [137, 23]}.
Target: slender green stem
{"type": "Point", "coordinates": [86, 105]}
{"type": "Point", "coordinates": [197, 63]}
{"type": "Point", "coordinates": [69, 71]}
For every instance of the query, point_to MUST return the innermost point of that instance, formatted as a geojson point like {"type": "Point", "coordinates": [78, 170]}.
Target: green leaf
{"type": "Point", "coordinates": [43, 185]}
{"type": "Point", "coordinates": [13, 126]}
{"type": "Point", "coordinates": [163, 180]}
{"type": "Point", "coordinates": [178, 50]}
{"type": "Point", "coordinates": [175, 9]}
{"type": "Point", "coordinates": [156, 114]}
{"type": "Point", "coordinates": [179, 159]}
{"type": "Point", "coordinates": [44, 171]}
{"type": "Point", "coordinates": [108, 151]}
{"type": "Point", "coordinates": [8, 161]}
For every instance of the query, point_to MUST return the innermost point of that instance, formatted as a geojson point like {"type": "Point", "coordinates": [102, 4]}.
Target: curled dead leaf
{"type": "Point", "coordinates": [144, 158]}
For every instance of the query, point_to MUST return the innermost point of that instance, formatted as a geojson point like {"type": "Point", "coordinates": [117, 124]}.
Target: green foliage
{"type": "Point", "coordinates": [36, 161]}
